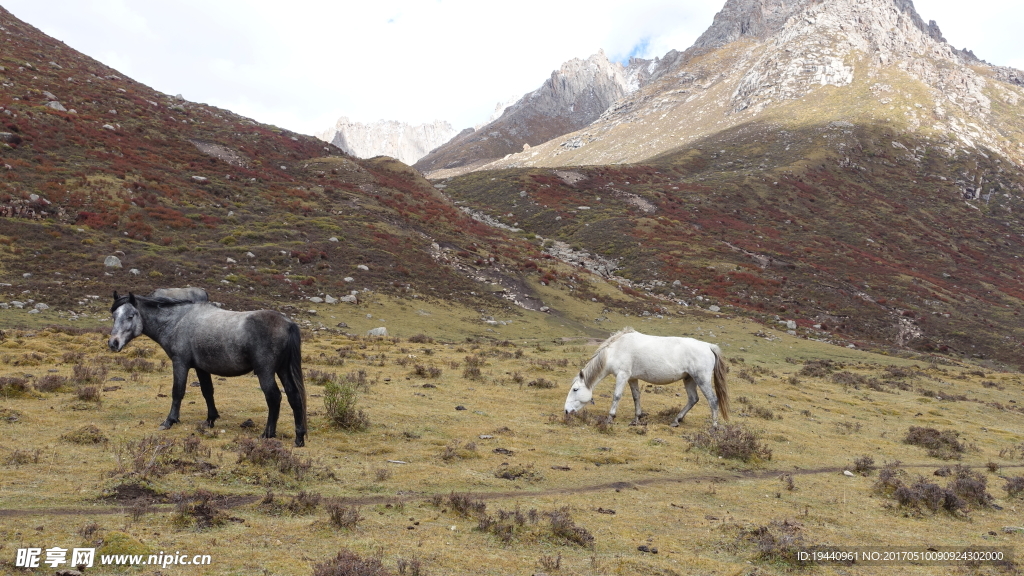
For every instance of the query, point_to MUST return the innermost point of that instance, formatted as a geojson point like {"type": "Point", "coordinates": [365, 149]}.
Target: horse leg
{"type": "Point", "coordinates": [634, 387]}
{"type": "Point", "coordinates": [273, 396]}
{"type": "Point", "coordinates": [620, 386]}
{"type": "Point", "coordinates": [691, 399]}
{"type": "Point", "coordinates": [295, 400]}
{"type": "Point", "coordinates": [177, 394]}
{"type": "Point", "coordinates": [708, 388]}
{"type": "Point", "coordinates": [206, 385]}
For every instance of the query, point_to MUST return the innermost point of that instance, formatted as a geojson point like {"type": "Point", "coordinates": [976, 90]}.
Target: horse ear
{"type": "Point", "coordinates": [115, 295]}
{"type": "Point", "coordinates": [131, 299]}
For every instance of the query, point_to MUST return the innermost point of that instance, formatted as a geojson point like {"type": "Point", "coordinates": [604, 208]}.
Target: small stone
{"type": "Point", "coordinates": [460, 407]}
{"type": "Point", "coordinates": [232, 261]}
{"type": "Point", "coordinates": [41, 306]}
{"type": "Point", "coordinates": [250, 255]}
{"type": "Point", "coordinates": [379, 331]}
{"type": "Point", "coordinates": [134, 272]}
{"type": "Point", "coordinates": [363, 267]}
{"type": "Point", "coordinates": [349, 279]}
{"type": "Point", "coordinates": [332, 239]}
{"type": "Point", "coordinates": [330, 300]}
{"type": "Point", "coordinates": [848, 473]}
{"type": "Point", "coordinates": [316, 300]}
{"type": "Point", "coordinates": [112, 262]}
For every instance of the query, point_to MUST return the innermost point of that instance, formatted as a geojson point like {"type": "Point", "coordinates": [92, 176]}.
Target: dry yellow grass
{"type": "Point", "coordinates": [690, 505]}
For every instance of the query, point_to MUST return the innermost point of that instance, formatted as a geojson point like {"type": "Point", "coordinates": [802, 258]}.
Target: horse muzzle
{"type": "Point", "coordinates": [115, 344]}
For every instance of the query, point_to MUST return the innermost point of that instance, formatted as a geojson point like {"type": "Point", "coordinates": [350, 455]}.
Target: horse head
{"type": "Point", "coordinates": [579, 394]}
{"type": "Point", "coordinates": [127, 321]}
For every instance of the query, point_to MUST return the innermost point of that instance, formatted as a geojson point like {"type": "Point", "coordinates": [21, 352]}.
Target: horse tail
{"type": "Point", "coordinates": [293, 357]}
{"type": "Point", "coordinates": [721, 390]}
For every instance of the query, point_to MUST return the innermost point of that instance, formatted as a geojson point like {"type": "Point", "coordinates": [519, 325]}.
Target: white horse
{"type": "Point", "coordinates": [632, 356]}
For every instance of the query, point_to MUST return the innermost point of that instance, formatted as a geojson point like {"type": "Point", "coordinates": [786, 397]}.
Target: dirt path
{"type": "Point", "coordinates": [237, 500]}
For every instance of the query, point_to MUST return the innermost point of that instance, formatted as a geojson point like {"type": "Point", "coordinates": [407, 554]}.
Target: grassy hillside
{"type": "Point", "coordinates": [97, 165]}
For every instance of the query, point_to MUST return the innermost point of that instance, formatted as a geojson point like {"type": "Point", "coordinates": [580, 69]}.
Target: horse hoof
{"type": "Point", "coordinates": [674, 424]}
{"type": "Point", "coordinates": [165, 427]}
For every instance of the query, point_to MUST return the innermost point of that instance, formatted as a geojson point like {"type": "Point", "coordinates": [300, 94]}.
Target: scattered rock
{"type": "Point", "coordinates": [330, 299]}
{"type": "Point", "coordinates": [316, 300]}
{"type": "Point", "coordinates": [349, 298]}
{"type": "Point", "coordinates": [332, 239]}
{"type": "Point", "coordinates": [56, 106]}
{"type": "Point", "coordinates": [460, 407]}
{"type": "Point", "coordinates": [363, 267]}
{"type": "Point", "coordinates": [112, 262]}
{"type": "Point", "coordinates": [41, 306]}
{"type": "Point", "coordinates": [134, 272]}
{"type": "Point", "coordinates": [380, 331]}
{"type": "Point", "coordinates": [248, 424]}
{"type": "Point", "coordinates": [848, 473]}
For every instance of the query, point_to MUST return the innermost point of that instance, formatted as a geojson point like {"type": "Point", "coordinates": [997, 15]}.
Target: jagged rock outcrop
{"type": "Point", "coordinates": [388, 138]}
{"type": "Point", "coordinates": [859, 60]}
{"type": "Point", "coordinates": [574, 96]}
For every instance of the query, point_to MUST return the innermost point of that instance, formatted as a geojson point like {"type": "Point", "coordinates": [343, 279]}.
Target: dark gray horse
{"type": "Point", "coordinates": [213, 341]}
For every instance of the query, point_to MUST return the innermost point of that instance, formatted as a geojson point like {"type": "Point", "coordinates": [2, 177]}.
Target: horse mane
{"type": "Point", "coordinates": [596, 363]}
{"type": "Point", "coordinates": [158, 301]}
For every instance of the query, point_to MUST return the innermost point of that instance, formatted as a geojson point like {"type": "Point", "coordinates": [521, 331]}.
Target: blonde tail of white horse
{"type": "Point", "coordinates": [721, 389]}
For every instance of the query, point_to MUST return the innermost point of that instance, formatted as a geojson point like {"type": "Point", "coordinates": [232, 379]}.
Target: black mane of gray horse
{"type": "Point", "coordinates": [191, 293]}
{"type": "Point", "coordinates": [198, 335]}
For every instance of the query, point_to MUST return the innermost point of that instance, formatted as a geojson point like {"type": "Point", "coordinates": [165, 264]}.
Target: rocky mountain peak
{"type": "Point", "coordinates": [767, 60]}
{"type": "Point", "coordinates": [572, 97]}
{"type": "Point", "coordinates": [763, 18]}
{"type": "Point", "coordinates": [405, 142]}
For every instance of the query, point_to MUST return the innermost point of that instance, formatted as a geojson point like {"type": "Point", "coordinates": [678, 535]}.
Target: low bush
{"type": "Point", "coordinates": [1014, 486]}
{"type": "Point", "coordinates": [199, 512]}
{"type": "Point", "coordinates": [563, 528]}
{"type": "Point", "coordinates": [342, 516]}
{"type": "Point", "coordinates": [340, 404]}
{"type": "Point", "coordinates": [348, 563]}
{"type": "Point", "coordinates": [269, 452]}
{"type": "Point", "coordinates": [732, 441]}
{"type": "Point", "coordinates": [944, 444]}
{"type": "Point", "coordinates": [778, 541]}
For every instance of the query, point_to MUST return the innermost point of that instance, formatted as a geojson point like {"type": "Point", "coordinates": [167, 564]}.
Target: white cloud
{"type": "Point", "coordinates": [301, 65]}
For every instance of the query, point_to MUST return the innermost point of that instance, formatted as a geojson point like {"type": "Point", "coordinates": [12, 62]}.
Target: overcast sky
{"type": "Point", "coordinates": [304, 63]}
